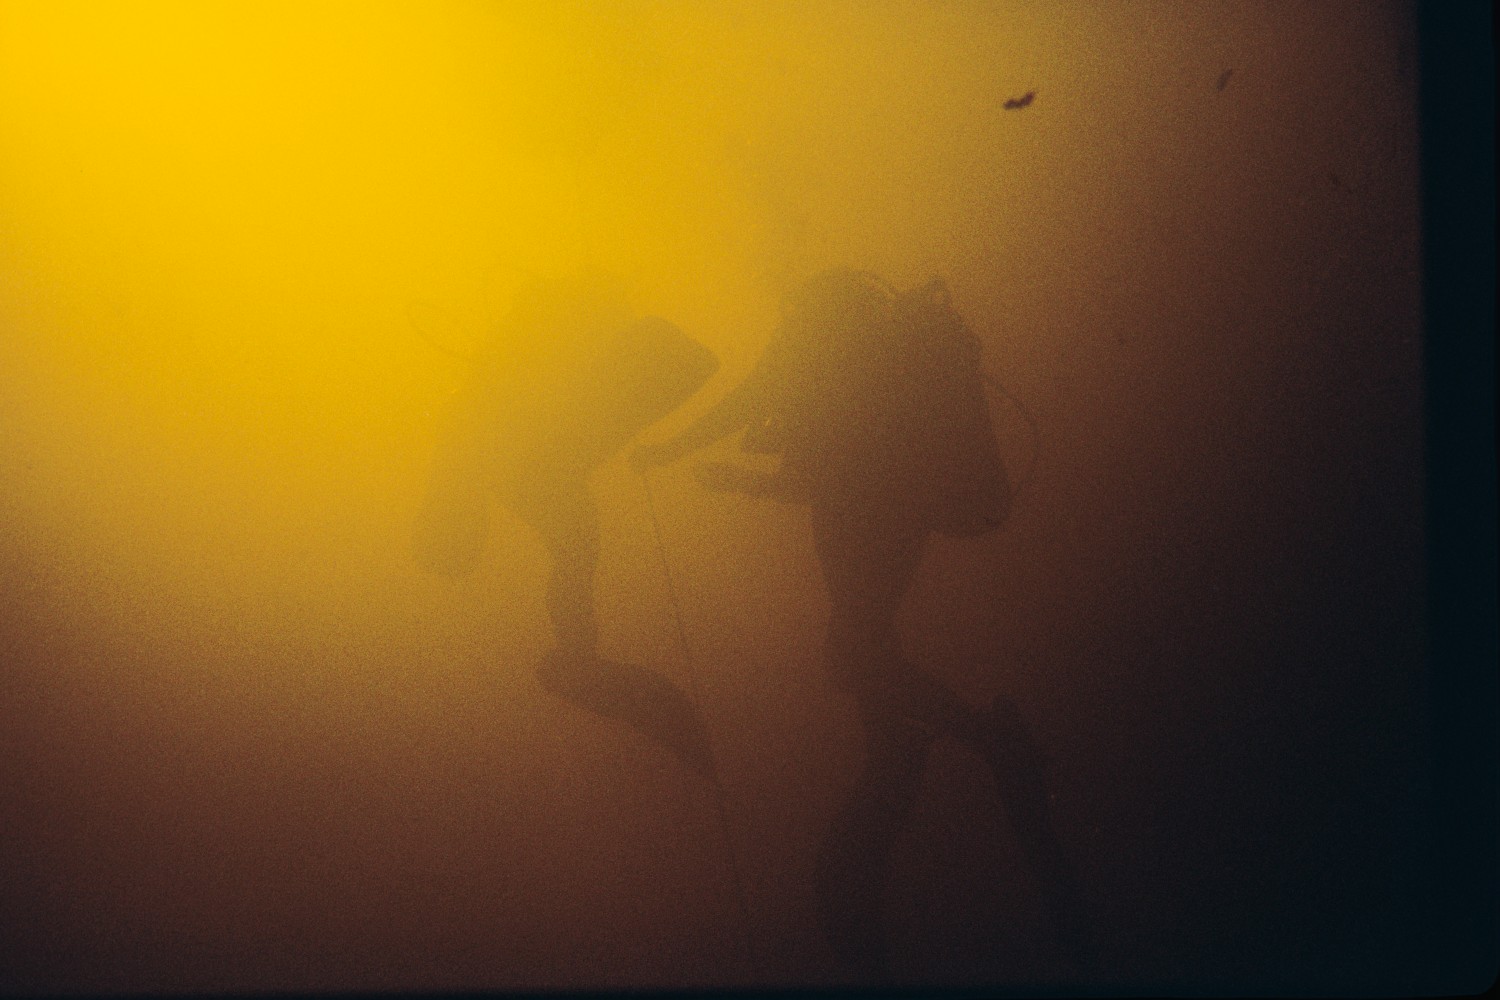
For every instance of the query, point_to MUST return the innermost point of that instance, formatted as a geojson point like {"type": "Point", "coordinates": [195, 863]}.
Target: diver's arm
{"type": "Point", "coordinates": [722, 477]}
{"type": "Point", "coordinates": [730, 414]}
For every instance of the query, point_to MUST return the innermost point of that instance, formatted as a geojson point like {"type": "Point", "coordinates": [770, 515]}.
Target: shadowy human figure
{"type": "Point", "coordinates": [570, 378]}
{"type": "Point", "coordinates": [866, 401]}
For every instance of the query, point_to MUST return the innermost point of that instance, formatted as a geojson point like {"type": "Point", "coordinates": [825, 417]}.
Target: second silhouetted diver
{"type": "Point", "coordinates": [573, 376]}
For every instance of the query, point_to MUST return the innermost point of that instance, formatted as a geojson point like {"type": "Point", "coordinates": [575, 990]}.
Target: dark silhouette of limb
{"type": "Point", "coordinates": [734, 412]}
{"type": "Point", "coordinates": [1019, 766]}
{"type": "Point", "coordinates": [640, 698]}
{"type": "Point", "coordinates": [724, 477]}
{"type": "Point", "coordinates": [869, 556]}
{"type": "Point", "coordinates": [563, 514]}
{"type": "Point", "coordinates": [853, 863]}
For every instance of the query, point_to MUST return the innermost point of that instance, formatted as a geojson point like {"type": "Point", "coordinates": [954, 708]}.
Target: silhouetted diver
{"type": "Point", "coordinates": [572, 377]}
{"type": "Point", "coordinates": [876, 451]}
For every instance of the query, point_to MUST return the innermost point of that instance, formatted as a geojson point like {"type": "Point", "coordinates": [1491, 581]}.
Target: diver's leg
{"type": "Point", "coordinates": [1019, 768]}
{"type": "Point", "coordinates": [853, 863]}
{"type": "Point", "coordinates": [575, 557]}
{"type": "Point", "coordinates": [566, 518]}
{"type": "Point", "coordinates": [868, 563]}
{"type": "Point", "coordinates": [563, 514]}
{"type": "Point", "coordinates": [869, 558]}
